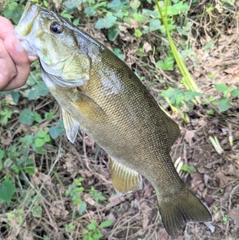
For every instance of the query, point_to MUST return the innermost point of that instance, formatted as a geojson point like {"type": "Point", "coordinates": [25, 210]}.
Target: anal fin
{"type": "Point", "coordinates": [124, 179]}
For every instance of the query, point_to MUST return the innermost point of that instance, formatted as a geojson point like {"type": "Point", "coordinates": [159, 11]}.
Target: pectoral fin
{"type": "Point", "coordinates": [87, 106]}
{"type": "Point", "coordinates": [71, 126]}
{"type": "Point", "coordinates": [124, 179]}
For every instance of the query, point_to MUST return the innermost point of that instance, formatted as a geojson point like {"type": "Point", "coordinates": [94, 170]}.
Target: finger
{"type": "Point", "coordinates": [6, 28]}
{"type": "Point", "coordinates": [20, 58]}
{"type": "Point", "coordinates": [32, 58]}
{"type": "Point", "coordinates": [7, 67]}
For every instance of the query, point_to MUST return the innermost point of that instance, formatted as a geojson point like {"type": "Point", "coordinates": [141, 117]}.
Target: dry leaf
{"type": "Point", "coordinates": [147, 47]}
{"type": "Point", "coordinates": [189, 136]}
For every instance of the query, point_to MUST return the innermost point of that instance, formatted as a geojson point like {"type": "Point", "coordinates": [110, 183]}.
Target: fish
{"type": "Point", "coordinates": [100, 95]}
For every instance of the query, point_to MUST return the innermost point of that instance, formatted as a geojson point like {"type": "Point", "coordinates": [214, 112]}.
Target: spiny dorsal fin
{"type": "Point", "coordinates": [124, 179]}
{"type": "Point", "coordinates": [71, 126]}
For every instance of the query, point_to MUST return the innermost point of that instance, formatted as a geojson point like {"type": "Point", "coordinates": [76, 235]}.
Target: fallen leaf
{"type": "Point", "coordinates": [89, 200]}
{"type": "Point", "coordinates": [147, 47]}
{"type": "Point", "coordinates": [234, 214]}
{"type": "Point", "coordinates": [197, 181]}
{"type": "Point", "coordinates": [58, 209]}
{"type": "Point", "coordinates": [189, 135]}
{"type": "Point", "coordinates": [222, 180]}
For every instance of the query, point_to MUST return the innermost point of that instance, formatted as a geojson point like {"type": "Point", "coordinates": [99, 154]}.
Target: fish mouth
{"type": "Point", "coordinates": [25, 24]}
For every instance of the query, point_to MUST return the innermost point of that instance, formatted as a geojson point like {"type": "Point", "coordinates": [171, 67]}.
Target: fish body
{"type": "Point", "coordinates": [101, 95]}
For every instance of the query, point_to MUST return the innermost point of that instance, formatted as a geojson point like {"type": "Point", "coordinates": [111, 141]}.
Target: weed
{"type": "Point", "coordinates": [5, 115]}
{"type": "Point", "coordinates": [7, 189]}
{"type": "Point", "coordinates": [69, 227]}
{"type": "Point", "coordinates": [229, 92]}
{"type": "Point", "coordinates": [189, 169]}
{"type": "Point", "coordinates": [75, 191]}
{"type": "Point", "coordinates": [225, 218]}
{"type": "Point", "coordinates": [96, 195]}
{"type": "Point", "coordinates": [93, 230]}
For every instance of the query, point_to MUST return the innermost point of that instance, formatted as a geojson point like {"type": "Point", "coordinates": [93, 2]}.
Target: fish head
{"type": "Point", "coordinates": [44, 34]}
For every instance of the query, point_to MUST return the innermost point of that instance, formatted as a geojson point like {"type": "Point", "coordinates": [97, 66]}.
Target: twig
{"type": "Point", "coordinates": [237, 179]}
{"type": "Point", "coordinates": [230, 204]}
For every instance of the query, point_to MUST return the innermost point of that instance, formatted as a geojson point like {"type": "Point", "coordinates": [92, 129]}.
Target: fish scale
{"type": "Point", "coordinates": [101, 95]}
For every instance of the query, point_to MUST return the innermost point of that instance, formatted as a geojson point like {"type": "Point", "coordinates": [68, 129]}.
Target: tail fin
{"type": "Point", "coordinates": [181, 209]}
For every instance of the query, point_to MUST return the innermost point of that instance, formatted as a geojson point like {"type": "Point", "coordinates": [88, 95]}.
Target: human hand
{"type": "Point", "coordinates": [14, 60]}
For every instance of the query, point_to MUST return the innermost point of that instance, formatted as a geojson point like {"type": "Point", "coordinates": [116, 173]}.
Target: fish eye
{"type": "Point", "coordinates": [56, 28]}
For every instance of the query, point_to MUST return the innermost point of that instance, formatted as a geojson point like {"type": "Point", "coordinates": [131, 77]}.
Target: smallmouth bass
{"type": "Point", "coordinates": [100, 94]}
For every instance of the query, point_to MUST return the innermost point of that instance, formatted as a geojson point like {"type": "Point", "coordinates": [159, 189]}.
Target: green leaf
{"type": "Point", "coordinates": [108, 22]}
{"type": "Point", "coordinates": [138, 33]}
{"type": "Point", "coordinates": [106, 223]}
{"type": "Point", "coordinates": [30, 169]}
{"type": "Point", "coordinates": [39, 89]}
{"type": "Point", "coordinates": [72, 4]}
{"type": "Point", "coordinates": [100, 24]}
{"type": "Point", "coordinates": [118, 53]}
{"type": "Point", "coordinates": [47, 138]}
{"type": "Point", "coordinates": [154, 25]}
{"type": "Point", "coordinates": [224, 104]}
{"type": "Point", "coordinates": [76, 21]}
{"type": "Point", "coordinates": [189, 169]}
{"type": "Point", "coordinates": [37, 149]}
{"type": "Point", "coordinates": [7, 190]}
{"type": "Point", "coordinates": [113, 33]}
{"type": "Point", "coordinates": [26, 117]}
{"type": "Point", "coordinates": [209, 9]}
{"type": "Point", "coordinates": [36, 117]}
{"type": "Point", "coordinates": [15, 96]}
{"type": "Point", "coordinates": [167, 93]}
{"type": "Point", "coordinates": [166, 64]}
{"type": "Point", "coordinates": [177, 8]}
{"type": "Point", "coordinates": [90, 11]}
{"type": "Point", "coordinates": [5, 115]}
{"type": "Point", "coordinates": [55, 131]}
{"type": "Point", "coordinates": [92, 225]}
{"type": "Point", "coordinates": [221, 87]}
{"type": "Point", "coordinates": [41, 134]}
{"type": "Point", "coordinates": [82, 207]}
{"type": "Point", "coordinates": [27, 139]}
{"type": "Point", "coordinates": [37, 211]}
{"type": "Point", "coordinates": [39, 142]}
{"type": "Point", "coordinates": [139, 17]}
{"type": "Point", "coordinates": [49, 115]}
{"type": "Point", "coordinates": [13, 11]}
{"type": "Point", "coordinates": [135, 4]}
{"type": "Point", "coordinates": [69, 227]}
{"type": "Point", "coordinates": [235, 93]}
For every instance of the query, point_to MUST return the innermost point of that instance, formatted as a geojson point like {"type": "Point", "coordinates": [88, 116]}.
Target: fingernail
{"type": "Point", "coordinates": [18, 46]}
